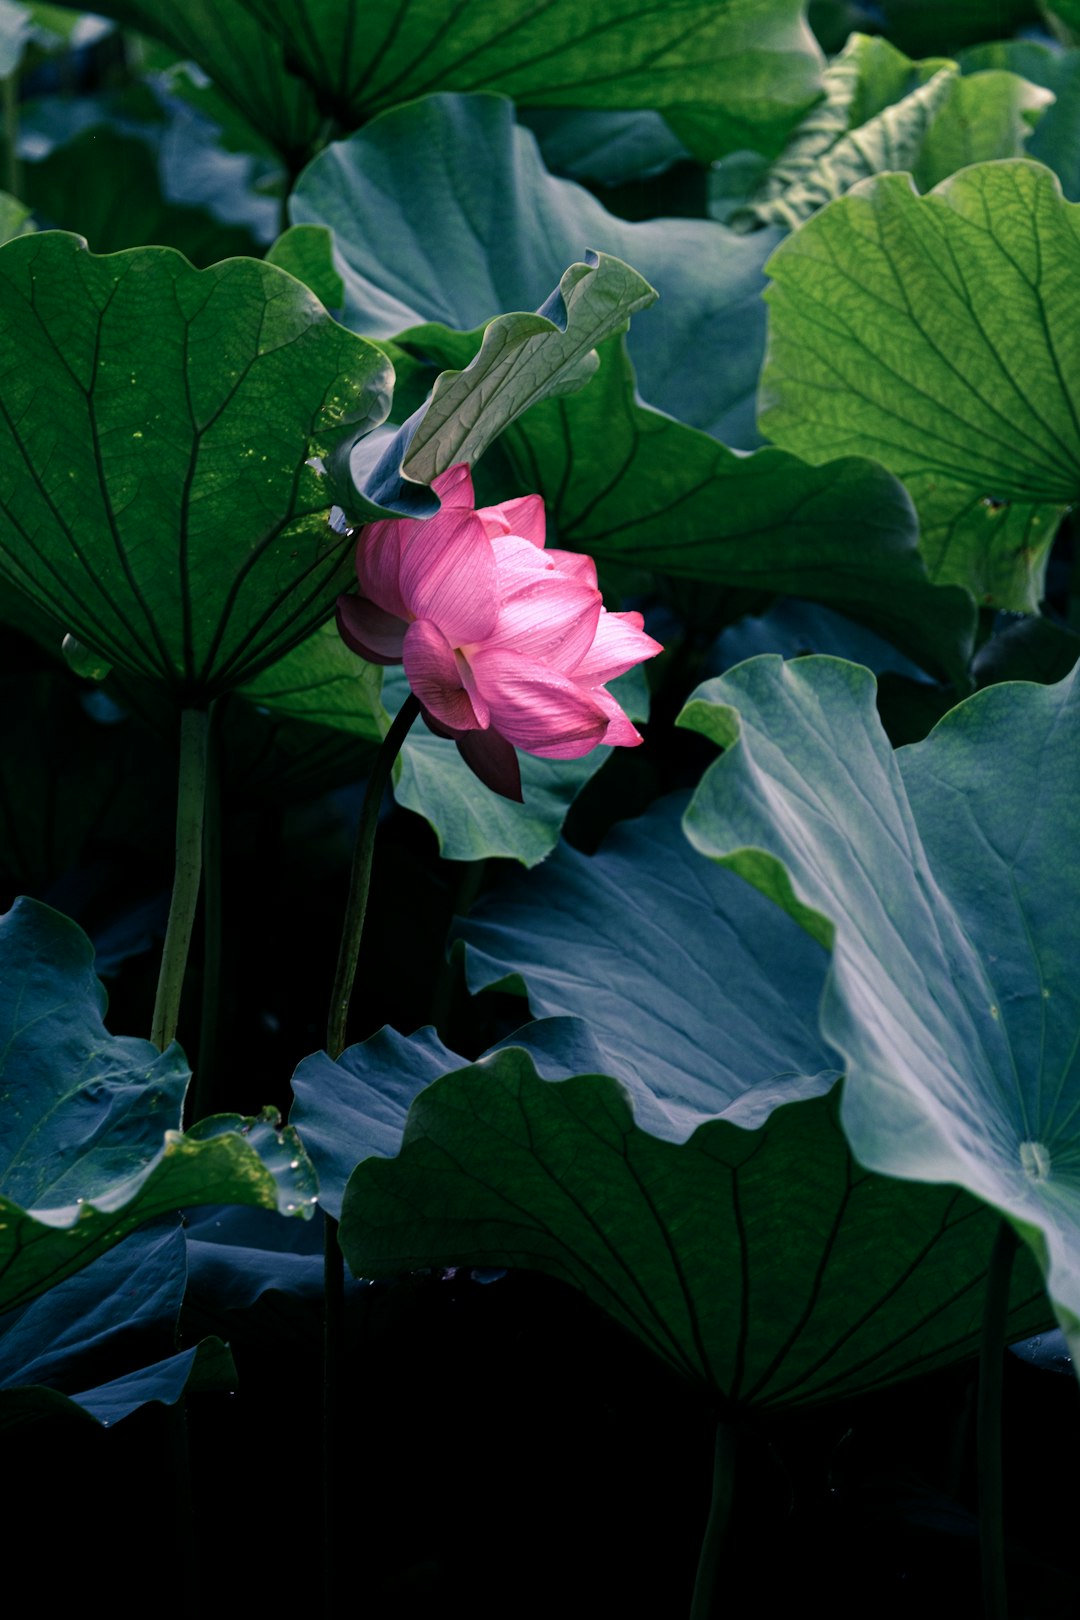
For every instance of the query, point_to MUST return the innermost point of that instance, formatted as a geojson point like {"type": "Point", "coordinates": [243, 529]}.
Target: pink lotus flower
{"type": "Point", "coordinates": [506, 645]}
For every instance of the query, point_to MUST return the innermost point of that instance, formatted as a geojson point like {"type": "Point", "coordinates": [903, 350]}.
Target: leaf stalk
{"type": "Point", "coordinates": [190, 802]}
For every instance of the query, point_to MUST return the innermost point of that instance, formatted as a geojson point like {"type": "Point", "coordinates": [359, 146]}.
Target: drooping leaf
{"type": "Point", "coordinates": [89, 1144]}
{"type": "Point", "coordinates": [947, 876]}
{"type": "Point", "coordinates": [936, 335]}
{"type": "Point", "coordinates": [103, 1317]}
{"type": "Point", "coordinates": [156, 423]}
{"type": "Point", "coordinates": [1055, 140]}
{"type": "Point", "coordinates": [443, 212]}
{"type": "Point", "coordinates": [740, 1258]}
{"type": "Point", "coordinates": [882, 112]}
{"type": "Point", "coordinates": [628, 484]}
{"type": "Point", "coordinates": [472, 823]}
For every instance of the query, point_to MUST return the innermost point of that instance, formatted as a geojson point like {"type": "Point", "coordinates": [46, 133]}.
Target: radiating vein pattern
{"type": "Point", "coordinates": [937, 334]}
{"type": "Point", "coordinates": [157, 423]}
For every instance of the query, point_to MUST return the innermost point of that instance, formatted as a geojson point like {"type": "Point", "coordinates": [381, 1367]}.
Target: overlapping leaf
{"type": "Point", "coordinates": [937, 335]}
{"type": "Point", "coordinates": [156, 424]}
{"type": "Point", "coordinates": [882, 112]}
{"type": "Point", "coordinates": [725, 73]}
{"type": "Point", "coordinates": [100, 1318]}
{"type": "Point", "coordinates": [947, 876]}
{"type": "Point", "coordinates": [89, 1145]}
{"type": "Point", "coordinates": [742, 1256]}
{"type": "Point", "coordinates": [627, 483]}
{"type": "Point", "coordinates": [443, 212]}
{"type": "Point", "coordinates": [472, 823]}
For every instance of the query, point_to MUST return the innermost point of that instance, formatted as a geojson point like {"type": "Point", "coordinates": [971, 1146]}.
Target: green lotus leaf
{"type": "Point", "coordinates": [723, 72]}
{"type": "Point", "coordinates": [444, 215]}
{"type": "Point", "coordinates": [324, 681]}
{"type": "Point", "coordinates": [946, 877]}
{"type": "Point", "coordinates": [936, 334]}
{"type": "Point", "coordinates": [1056, 137]}
{"type": "Point", "coordinates": [882, 112]}
{"type": "Point", "coordinates": [472, 823]}
{"type": "Point", "coordinates": [157, 425]}
{"type": "Point", "coordinates": [89, 1144]}
{"type": "Point", "coordinates": [630, 485]}
{"type": "Point", "coordinates": [762, 1266]}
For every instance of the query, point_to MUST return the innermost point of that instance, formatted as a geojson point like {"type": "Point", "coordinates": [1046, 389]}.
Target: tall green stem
{"type": "Point", "coordinates": [360, 877]}
{"type": "Point", "coordinates": [190, 798]}
{"type": "Point", "coordinates": [712, 1543]}
{"type": "Point", "coordinates": [988, 1424]}
{"type": "Point", "coordinates": [203, 1098]}
{"type": "Point", "coordinates": [9, 93]}
{"type": "Point", "coordinates": [334, 1432]}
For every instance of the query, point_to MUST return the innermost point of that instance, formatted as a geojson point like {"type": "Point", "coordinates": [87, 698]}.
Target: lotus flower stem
{"type": "Point", "coordinates": [334, 1538]}
{"type": "Point", "coordinates": [988, 1425]}
{"type": "Point", "coordinates": [190, 799]}
{"type": "Point", "coordinates": [360, 877]}
{"type": "Point", "coordinates": [712, 1543]}
{"type": "Point", "coordinates": [202, 1094]}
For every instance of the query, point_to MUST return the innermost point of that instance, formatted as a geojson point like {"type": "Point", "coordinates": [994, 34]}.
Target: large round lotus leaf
{"type": "Point", "coordinates": [947, 877]}
{"type": "Point", "coordinates": [156, 425]}
{"type": "Point", "coordinates": [763, 1266]}
{"type": "Point", "coordinates": [938, 335]}
{"type": "Point", "coordinates": [89, 1140]}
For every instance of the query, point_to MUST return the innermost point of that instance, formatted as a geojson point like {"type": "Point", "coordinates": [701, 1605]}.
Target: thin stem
{"type": "Point", "coordinates": [360, 877]}
{"type": "Point", "coordinates": [988, 1423]}
{"type": "Point", "coordinates": [12, 166]}
{"type": "Point", "coordinates": [190, 798]}
{"type": "Point", "coordinates": [203, 1098]}
{"type": "Point", "coordinates": [334, 1432]}
{"type": "Point", "coordinates": [712, 1543]}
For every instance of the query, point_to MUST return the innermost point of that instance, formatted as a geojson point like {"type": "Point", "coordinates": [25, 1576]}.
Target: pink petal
{"type": "Point", "coordinates": [523, 516]}
{"type": "Point", "coordinates": [448, 575]}
{"type": "Point", "coordinates": [551, 620]}
{"type": "Point", "coordinates": [575, 565]}
{"type": "Point", "coordinates": [537, 708]}
{"type": "Point", "coordinates": [454, 487]}
{"type": "Point", "coordinates": [494, 761]}
{"type": "Point", "coordinates": [435, 675]}
{"type": "Point", "coordinates": [619, 644]}
{"type": "Point", "coordinates": [369, 631]}
{"type": "Point", "coordinates": [378, 564]}
{"type": "Point", "coordinates": [621, 731]}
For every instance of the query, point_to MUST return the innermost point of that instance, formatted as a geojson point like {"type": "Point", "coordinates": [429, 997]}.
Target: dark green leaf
{"type": "Point", "coordinates": [156, 422]}
{"type": "Point", "coordinates": [630, 485]}
{"type": "Point", "coordinates": [763, 1266]}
